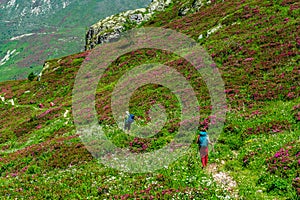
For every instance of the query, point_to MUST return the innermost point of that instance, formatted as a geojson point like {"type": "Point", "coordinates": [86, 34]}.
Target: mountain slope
{"type": "Point", "coordinates": [40, 30]}
{"type": "Point", "coordinates": [255, 45]}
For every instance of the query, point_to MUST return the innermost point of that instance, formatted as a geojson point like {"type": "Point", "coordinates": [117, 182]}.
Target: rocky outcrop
{"type": "Point", "coordinates": [109, 29]}
{"type": "Point", "coordinates": [45, 67]}
{"type": "Point", "coordinates": [190, 6]}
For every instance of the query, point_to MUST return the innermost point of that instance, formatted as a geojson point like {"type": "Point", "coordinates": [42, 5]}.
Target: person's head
{"type": "Point", "coordinates": [203, 129]}
{"type": "Point", "coordinates": [127, 112]}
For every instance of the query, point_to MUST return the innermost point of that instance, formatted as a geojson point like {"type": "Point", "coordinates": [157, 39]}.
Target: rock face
{"type": "Point", "coordinates": [191, 6]}
{"type": "Point", "coordinates": [109, 29]}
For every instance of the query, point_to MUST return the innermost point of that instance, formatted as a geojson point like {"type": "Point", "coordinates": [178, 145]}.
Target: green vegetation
{"type": "Point", "coordinates": [31, 76]}
{"type": "Point", "coordinates": [56, 32]}
{"type": "Point", "coordinates": [257, 53]}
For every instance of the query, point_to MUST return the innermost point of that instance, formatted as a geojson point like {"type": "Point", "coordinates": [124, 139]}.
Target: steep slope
{"type": "Point", "coordinates": [56, 28]}
{"type": "Point", "coordinates": [254, 44]}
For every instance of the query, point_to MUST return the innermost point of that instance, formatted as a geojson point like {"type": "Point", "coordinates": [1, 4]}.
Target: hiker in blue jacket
{"type": "Point", "coordinates": [203, 141]}
{"type": "Point", "coordinates": [128, 120]}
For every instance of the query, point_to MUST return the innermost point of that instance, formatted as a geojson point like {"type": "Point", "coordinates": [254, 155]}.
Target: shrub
{"type": "Point", "coordinates": [77, 61]}
{"type": "Point", "coordinates": [296, 185]}
{"type": "Point", "coordinates": [31, 76]}
{"type": "Point", "coordinates": [33, 169]}
{"type": "Point", "coordinates": [278, 185]}
{"type": "Point", "coordinates": [285, 161]}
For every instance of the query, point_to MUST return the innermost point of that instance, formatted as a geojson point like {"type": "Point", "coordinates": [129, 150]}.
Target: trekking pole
{"type": "Point", "coordinates": [212, 147]}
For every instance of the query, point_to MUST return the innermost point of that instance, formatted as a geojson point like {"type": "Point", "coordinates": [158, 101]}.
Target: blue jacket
{"type": "Point", "coordinates": [203, 139]}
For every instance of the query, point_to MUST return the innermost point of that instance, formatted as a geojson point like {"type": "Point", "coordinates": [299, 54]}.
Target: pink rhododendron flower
{"type": "Point", "coordinates": [249, 59]}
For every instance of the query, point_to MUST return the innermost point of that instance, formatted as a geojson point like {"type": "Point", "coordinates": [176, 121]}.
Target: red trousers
{"type": "Point", "coordinates": [204, 155]}
{"type": "Point", "coordinates": [204, 160]}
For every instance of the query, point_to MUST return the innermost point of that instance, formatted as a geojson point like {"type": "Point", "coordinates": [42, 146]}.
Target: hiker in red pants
{"type": "Point", "coordinates": [203, 141]}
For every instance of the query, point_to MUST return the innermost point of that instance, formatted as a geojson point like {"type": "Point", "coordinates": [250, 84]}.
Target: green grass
{"type": "Point", "coordinates": [41, 156]}
{"type": "Point", "coordinates": [58, 32]}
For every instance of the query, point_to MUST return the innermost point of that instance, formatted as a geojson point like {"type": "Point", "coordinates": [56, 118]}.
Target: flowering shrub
{"type": "Point", "coordinates": [286, 162]}
{"type": "Point", "coordinates": [36, 122]}
{"type": "Point", "coordinates": [152, 193]}
{"type": "Point", "coordinates": [282, 170]}
{"type": "Point", "coordinates": [56, 153]}
{"type": "Point", "coordinates": [139, 145]}
{"type": "Point", "coordinates": [247, 158]}
{"type": "Point", "coordinates": [6, 91]}
{"type": "Point", "coordinates": [296, 112]}
{"type": "Point", "coordinates": [296, 184]}
{"type": "Point", "coordinates": [74, 60]}
{"type": "Point", "coordinates": [270, 127]}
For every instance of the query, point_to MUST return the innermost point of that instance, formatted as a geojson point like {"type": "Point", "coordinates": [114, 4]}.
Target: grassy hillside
{"type": "Point", "coordinates": [57, 30]}
{"type": "Point", "coordinates": [256, 49]}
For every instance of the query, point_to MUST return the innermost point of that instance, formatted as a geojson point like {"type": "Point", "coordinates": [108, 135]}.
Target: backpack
{"type": "Point", "coordinates": [130, 118]}
{"type": "Point", "coordinates": [203, 142]}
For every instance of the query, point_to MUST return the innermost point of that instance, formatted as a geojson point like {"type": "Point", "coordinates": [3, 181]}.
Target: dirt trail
{"type": "Point", "coordinates": [223, 179]}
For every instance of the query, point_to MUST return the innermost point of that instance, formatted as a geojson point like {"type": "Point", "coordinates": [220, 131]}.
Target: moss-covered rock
{"type": "Point", "coordinates": [109, 29]}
